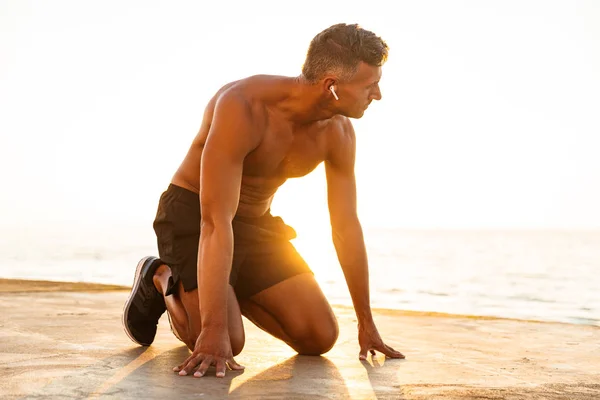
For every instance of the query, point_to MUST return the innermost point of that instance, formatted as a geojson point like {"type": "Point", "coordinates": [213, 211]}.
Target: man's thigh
{"type": "Point", "coordinates": [296, 311]}
{"type": "Point", "coordinates": [266, 264]}
{"type": "Point", "coordinates": [275, 277]}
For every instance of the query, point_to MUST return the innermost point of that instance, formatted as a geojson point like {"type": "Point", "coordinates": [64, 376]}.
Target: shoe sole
{"type": "Point", "coordinates": [128, 302]}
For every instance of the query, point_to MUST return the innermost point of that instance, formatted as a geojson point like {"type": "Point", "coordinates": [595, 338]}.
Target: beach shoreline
{"type": "Point", "coordinates": [9, 285]}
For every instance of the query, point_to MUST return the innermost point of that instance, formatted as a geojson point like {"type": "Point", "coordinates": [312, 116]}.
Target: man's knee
{"type": "Point", "coordinates": [236, 327]}
{"type": "Point", "coordinates": [316, 337]}
{"type": "Point", "coordinates": [237, 345]}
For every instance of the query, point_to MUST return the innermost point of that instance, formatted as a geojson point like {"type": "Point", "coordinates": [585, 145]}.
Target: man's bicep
{"type": "Point", "coordinates": [220, 182]}
{"type": "Point", "coordinates": [341, 192]}
{"type": "Point", "coordinates": [341, 181]}
{"type": "Point", "coordinates": [228, 142]}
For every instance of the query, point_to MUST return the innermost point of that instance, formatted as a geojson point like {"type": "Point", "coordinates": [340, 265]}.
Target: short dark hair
{"type": "Point", "coordinates": [340, 48]}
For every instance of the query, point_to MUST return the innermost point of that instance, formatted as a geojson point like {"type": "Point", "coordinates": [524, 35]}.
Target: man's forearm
{"type": "Point", "coordinates": [350, 247]}
{"type": "Point", "coordinates": [215, 253]}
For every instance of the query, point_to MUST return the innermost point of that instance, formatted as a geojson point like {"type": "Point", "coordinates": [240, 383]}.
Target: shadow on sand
{"type": "Point", "coordinates": [383, 377]}
{"type": "Point", "coordinates": [145, 373]}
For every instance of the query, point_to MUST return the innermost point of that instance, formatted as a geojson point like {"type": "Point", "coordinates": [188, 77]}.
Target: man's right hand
{"type": "Point", "coordinates": [212, 348]}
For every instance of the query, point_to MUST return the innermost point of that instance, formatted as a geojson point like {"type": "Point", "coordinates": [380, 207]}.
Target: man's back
{"type": "Point", "coordinates": [285, 149]}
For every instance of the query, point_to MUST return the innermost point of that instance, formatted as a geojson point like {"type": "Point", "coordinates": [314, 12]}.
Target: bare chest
{"type": "Point", "coordinates": [287, 154]}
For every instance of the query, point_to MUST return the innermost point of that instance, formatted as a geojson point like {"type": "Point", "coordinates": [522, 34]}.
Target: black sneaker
{"type": "Point", "coordinates": [145, 304]}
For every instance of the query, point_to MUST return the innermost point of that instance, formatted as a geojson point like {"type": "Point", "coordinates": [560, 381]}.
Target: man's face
{"type": "Point", "coordinates": [356, 94]}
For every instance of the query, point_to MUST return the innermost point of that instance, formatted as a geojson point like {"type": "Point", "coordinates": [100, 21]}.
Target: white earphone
{"type": "Point", "coordinates": [332, 90]}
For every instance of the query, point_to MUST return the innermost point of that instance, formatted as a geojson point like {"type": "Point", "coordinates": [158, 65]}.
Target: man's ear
{"type": "Point", "coordinates": [330, 82]}
{"type": "Point", "coordinates": [330, 86]}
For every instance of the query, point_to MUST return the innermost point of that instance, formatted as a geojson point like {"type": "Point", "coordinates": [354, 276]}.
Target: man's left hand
{"type": "Point", "coordinates": [370, 341]}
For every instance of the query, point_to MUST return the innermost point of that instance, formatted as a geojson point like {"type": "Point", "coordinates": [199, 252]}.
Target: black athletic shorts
{"type": "Point", "coordinates": [262, 257]}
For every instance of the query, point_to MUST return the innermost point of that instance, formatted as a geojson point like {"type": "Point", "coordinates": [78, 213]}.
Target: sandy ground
{"type": "Point", "coordinates": [64, 340]}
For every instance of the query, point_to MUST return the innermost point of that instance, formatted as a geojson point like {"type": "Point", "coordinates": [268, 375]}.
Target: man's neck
{"type": "Point", "coordinates": [305, 103]}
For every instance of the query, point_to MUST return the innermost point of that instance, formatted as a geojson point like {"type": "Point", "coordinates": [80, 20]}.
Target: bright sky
{"type": "Point", "coordinates": [490, 114]}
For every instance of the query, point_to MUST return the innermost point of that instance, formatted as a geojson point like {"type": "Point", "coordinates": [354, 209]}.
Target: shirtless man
{"type": "Point", "coordinates": [236, 258]}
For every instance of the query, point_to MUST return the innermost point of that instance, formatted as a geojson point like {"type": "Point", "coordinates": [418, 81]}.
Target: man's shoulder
{"type": "Point", "coordinates": [244, 100]}
{"type": "Point", "coordinates": [340, 138]}
{"type": "Point", "coordinates": [340, 127]}
{"type": "Point", "coordinates": [252, 85]}
{"type": "Point", "coordinates": [252, 91]}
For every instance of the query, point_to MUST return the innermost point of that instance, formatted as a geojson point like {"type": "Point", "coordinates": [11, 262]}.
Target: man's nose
{"type": "Point", "coordinates": [376, 95]}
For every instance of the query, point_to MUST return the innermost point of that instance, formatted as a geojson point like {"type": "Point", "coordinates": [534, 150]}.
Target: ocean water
{"type": "Point", "coordinates": [538, 275]}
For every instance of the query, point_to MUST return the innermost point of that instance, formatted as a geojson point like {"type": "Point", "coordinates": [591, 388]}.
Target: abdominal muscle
{"type": "Point", "coordinates": [256, 192]}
